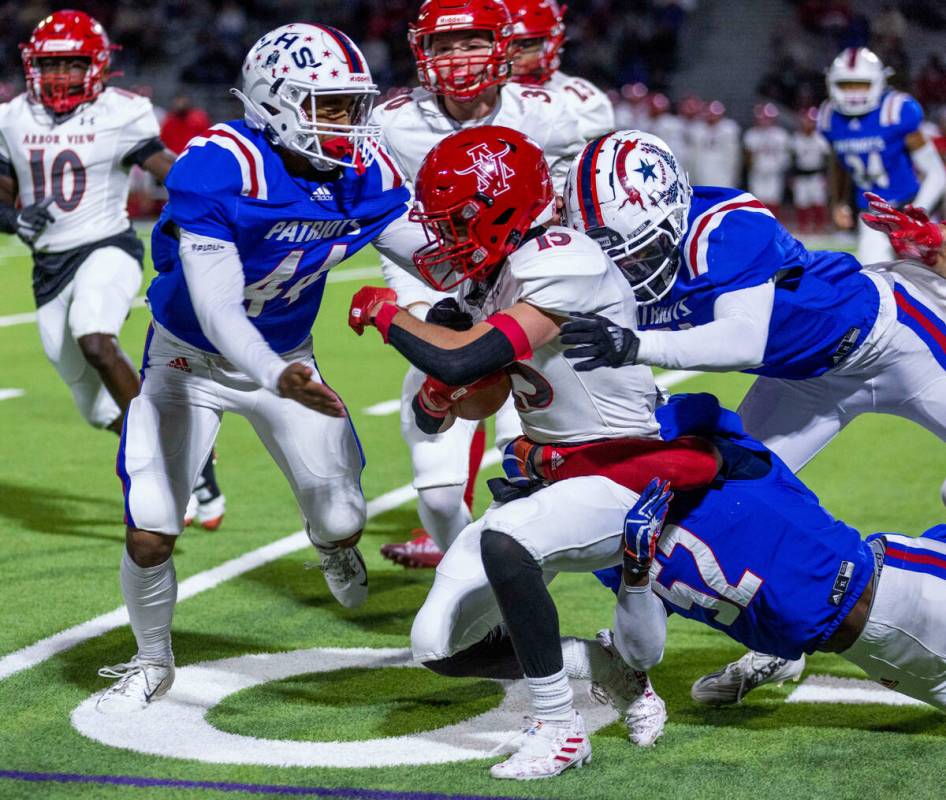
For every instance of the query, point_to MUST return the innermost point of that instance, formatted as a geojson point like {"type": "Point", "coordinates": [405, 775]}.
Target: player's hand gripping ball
{"type": "Point", "coordinates": [483, 398]}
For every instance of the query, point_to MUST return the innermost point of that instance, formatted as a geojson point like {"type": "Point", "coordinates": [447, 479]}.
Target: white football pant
{"type": "Point", "coordinates": [96, 300]}
{"type": "Point", "coordinates": [894, 371]}
{"type": "Point", "coordinates": [810, 190]}
{"type": "Point", "coordinates": [903, 644]}
{"type": "Point", "coordinates": [171, 426]}
{"type": "Point", "coordinates": [575, 525]}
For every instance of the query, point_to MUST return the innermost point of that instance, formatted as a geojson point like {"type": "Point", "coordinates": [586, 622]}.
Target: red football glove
{"type": "Point", "coordinates": [366, 299]}
{"type": "Point", "coordinates": [911, 232]}
{"type": "Point", "coordinates": [438, 396]}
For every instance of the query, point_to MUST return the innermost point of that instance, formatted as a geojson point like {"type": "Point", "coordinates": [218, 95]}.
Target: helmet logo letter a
{"type": "Point", "coordinates": [490, 169]}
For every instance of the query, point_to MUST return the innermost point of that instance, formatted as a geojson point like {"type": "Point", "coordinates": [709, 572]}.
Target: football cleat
{"type": "Point", "coordinates": [139, 684]}
{"type": "Point", "coordinates": [730, 684]}
{"type": "Point", "coordinates": [345, 573]}
{"type": "Point", "coordinates": [207, 504]}
{"type": "Point", "coordinates": [190, 514]}
{"type": "Point", "coordinates": [546, 749]}
{"type": "Point", "coordinates": [421, 552]}
{"type": "Point", "coordinates": [630, 692]}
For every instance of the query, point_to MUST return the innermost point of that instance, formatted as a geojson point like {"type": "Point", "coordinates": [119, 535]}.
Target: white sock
{"type": "Point", "coordinates": [150, 594]}
{"type": "Point", "coordinates": [584, 659]}
{"type": "Point", "coordinates": [552, 697]}
{"type": "Point", "coordinates": [443, 513]}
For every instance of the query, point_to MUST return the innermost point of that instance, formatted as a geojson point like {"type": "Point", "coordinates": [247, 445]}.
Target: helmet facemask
{"type": "Point", "coordinates": [461, 76]}
{"type": "Point", "coordinates": [290, 114]}
{"type": "Point", "coordinates": [61, 90]}
{"type": "Point", "coordinates": [649, 261]}
{"type": "Point", "coordinates": [453, 253]}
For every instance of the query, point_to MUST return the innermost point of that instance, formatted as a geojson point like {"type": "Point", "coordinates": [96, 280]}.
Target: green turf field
{"type": "Point", "coordinates": [60, 522]}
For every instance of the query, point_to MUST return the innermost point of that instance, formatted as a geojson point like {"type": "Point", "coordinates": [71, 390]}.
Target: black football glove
{"type": "Point", "coordinates": [448, 314]}
{"type": "Point", "coordinates": [32, 219]}
{"type": "Point", "coordinates": [603, 343]}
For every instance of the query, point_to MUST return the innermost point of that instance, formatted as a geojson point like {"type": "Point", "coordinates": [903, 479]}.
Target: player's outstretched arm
{"type": "Point", "coordinates": [929, 165]}
{"type": "Point", "coordinates": [159, 164]}
{"type": "Point", "coordinates": [215, 281]}
{"type": "Point", "coordinates": [736, 338]}
{"type": "Point", "coordinates": [457, 358]}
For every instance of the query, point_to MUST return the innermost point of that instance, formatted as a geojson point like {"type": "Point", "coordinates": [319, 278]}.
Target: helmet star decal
{"type": "Point", "coordinates": [490, 169]}
{"type": "Point", "coordinates": [646, 170]}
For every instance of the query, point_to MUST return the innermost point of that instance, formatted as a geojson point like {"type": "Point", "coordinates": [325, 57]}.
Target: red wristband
{"type": "Point", "coordinates": [514, 333]}
{"type": "Point", "coordinates": [383, 319]}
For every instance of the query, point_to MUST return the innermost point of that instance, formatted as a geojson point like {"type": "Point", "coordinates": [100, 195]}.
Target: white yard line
{"type": "Point", "coordinates": [384, 409]}
{"type": "Point", "coordinates": [9, 394]}
{"type": "Point", "coordinates": [342, 276]}
{"type": "Point", "coordinates": [45, 649]}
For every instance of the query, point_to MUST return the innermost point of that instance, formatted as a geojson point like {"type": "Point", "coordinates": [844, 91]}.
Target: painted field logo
{"type": "Point", "coordinates": [177, 726]}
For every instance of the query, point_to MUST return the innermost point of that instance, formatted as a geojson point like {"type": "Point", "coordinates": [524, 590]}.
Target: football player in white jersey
{"type": "Point", "coordinates": [66, 147]}
{"type": "Point", "coordinates": [767, 157]}
{"type": "Point", "coordinates": [715, 148]}
{"type": "Point", "coordinates": [462, 48]}
{"type": "Point", "coordinates": [539, 34]}
{"type": "Point", "coordinates": [810, 151]}
{"type": "Point", "coordinates": [486, 201]}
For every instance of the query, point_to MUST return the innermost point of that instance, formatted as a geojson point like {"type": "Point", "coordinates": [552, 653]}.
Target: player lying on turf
{"type": "Point", "coordinates": [721, 286]}
{"type": "Point", "coordinates": [259, 211]}
{"type": "Point", "coordinates": [463, 50]}
{"type": "Point", "coordinates": [756, 556]}
{"type": "Point", "coordinates": [485, 199]}
{"type": "Point", "coordinates": [66, 147]}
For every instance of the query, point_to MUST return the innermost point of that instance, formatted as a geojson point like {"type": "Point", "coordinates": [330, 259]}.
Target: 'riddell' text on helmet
{"type": "Point", "coordinates": [627, 192]}
{"type": "Point", "coordinates": [289, 72]}
{"type": "Point", "coordinates": [478, 193]}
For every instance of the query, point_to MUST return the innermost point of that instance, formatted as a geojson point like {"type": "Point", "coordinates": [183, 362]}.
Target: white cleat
{"type": "Point", "coordinates": [139, 684]}
{"type": "Point", "coordinates": [546, 749]}
{"type": "Point", "coordinates": [210, 512]}
{"type": "Point", "coordinates": [734, 681]}
{"type": "Point", "coordinates": [630, 692]}
{"type": "Point", "coordinates": [190, 513]}
{"type": "Point", "coordinates": [345, 573]}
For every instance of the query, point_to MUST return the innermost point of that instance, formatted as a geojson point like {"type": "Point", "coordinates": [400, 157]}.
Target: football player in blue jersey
{"type": "Point", "coordinates": [875, 133]}
{"type": "Point", "coordinates": [756, 556]}
{"type": "Point", "coordinates": [259, 211]}
{"type": "Point", "coordinates": [722, 286]}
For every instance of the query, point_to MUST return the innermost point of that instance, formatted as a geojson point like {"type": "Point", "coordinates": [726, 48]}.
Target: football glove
{"type": "Point", "coordinates": [643, 526]}
{"type": "Point", "coordinates": [366, 299]}
{"type": "Point", "coordinates": [28, 222]}
{"type": "Point", "coordinates": [603, 344]}
{"type": "Point", "coordinates": [911, 232]}
{"type": "Point", "coordinates": [448, 314]}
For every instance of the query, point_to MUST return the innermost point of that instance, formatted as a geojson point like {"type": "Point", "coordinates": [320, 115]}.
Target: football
{"type": "Point", "coordinates": [485, 402]}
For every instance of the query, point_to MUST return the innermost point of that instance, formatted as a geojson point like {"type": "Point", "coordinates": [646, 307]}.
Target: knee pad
{"type": "Point", "coordinates": [442, 500]}
{"type": "Point", "coordinates": [96, 407]}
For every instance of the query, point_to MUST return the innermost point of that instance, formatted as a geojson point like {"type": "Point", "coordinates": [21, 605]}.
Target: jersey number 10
{"type": "Point", "coordinates": [67, 159]}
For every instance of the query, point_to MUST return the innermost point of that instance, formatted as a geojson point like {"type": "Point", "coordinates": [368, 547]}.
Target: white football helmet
{"type": "Point", "coordinates": [627, 192]}
{"type": "Point", "coordinates": [286, 72]}
{"type": "Point", "coordinates": [856, 65]}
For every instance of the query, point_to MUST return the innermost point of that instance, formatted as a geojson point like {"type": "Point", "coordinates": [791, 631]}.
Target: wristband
{"type": "Point", "coordinates": [383, 319]}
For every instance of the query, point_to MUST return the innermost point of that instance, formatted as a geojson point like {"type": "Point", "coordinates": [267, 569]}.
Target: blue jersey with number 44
{"type": "Point", "coordinates": [824, 305]}
{"type": "Point", "coordinates": [872, 147]}
{"type": "Point", "coordinates": [755, 555]}
{"type": "Point", "coordinates": [289, 231]}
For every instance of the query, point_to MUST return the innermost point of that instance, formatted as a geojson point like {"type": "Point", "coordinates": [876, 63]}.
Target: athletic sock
{"type": "Point", "coordinates": [584, 659]}
{"type": "Point", "coordinates": [477, 449]}
{"type": "Point", "coordinates": [552, 697]}
{"type": "Point", "coordinates": [150, 594]}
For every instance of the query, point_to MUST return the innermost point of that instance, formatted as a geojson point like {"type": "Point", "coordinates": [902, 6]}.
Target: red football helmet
{"type": "Point", "coordinates": [459, 75]}
{"type": "Point", "coordinates": [538, 19]}
{"type": "Point", "coordinates": [478, 193]}
{"type": "Point", "coordinates": [66, 35]}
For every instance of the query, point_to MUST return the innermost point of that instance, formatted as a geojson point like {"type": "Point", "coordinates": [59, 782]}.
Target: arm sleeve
{"type": "Point", "coordinates": [933, 183]}
{"type": "Point", "coordinates": [399, 241]}
{"type": "Point", "coordinates": [734, 340]}
{"type": "Point", "coordinates": [640, 626]}
{"type": "Point", "coordinates": [215, 282]}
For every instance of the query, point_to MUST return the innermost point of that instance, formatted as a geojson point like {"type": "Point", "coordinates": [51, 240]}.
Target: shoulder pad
{"type": "Point", "coordinates": [559, 252]}
{"type": "Point", "coordinates": [228, 158]}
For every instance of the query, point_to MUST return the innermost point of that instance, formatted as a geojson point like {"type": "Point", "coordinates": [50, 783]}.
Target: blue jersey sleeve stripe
{"type": "Point", "coordinates": [697, 249]}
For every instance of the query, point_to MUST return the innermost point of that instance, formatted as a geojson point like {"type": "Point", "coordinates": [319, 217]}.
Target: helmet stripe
{"type": "Point", "coordinates": [852, 57]}
{"type": "Point", "coordinates": [355, 63]}
{"type": "Point", "coordinates": [587, 187]}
